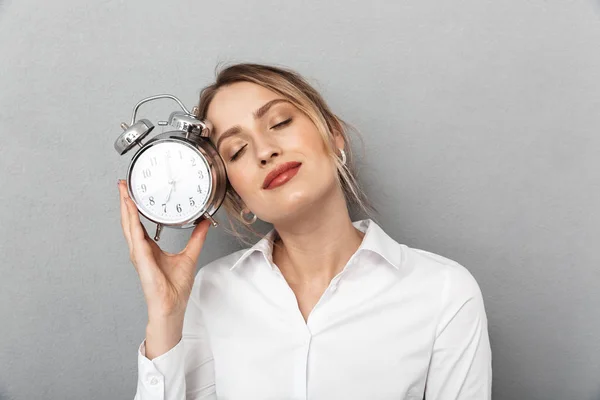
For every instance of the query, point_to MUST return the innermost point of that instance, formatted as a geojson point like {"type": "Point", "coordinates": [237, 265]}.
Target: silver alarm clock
{"type": "Point", "coordinates": [177, 178]}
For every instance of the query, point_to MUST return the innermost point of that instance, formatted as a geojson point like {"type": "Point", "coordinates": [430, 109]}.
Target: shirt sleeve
{"type": "Point", "coordinates": [186, 371]}
{"type": "Point", "coordinates": [461, 361]}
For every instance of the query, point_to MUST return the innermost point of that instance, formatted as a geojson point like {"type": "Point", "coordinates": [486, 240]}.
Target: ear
{"type": "Point", "coordinates": [337, 130]}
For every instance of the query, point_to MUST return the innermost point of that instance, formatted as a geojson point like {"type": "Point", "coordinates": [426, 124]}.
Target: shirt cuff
{"type": "Point", "coordinates": [162, 378]}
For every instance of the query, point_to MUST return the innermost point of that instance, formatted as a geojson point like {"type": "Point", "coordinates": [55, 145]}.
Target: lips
{"type": "Point", "coordinates": [281, 174]}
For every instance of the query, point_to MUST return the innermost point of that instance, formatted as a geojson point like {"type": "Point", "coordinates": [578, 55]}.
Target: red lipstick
{"type": "Point", "coordinates": [281, 174]}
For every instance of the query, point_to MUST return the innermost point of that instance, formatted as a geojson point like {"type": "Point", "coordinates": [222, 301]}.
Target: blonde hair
{"type": "Point", "coordinates": [296, 89]}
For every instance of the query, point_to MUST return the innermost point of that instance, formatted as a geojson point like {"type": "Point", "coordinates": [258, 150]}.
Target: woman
{"type": "Point", "coordinates": [320, 308]}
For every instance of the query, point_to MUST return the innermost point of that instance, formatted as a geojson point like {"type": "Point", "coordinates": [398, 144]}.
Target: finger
{"type": "Point", "coordinates": [155, 247]}
{"type": "Point", "coordinates": [124, 213]}
{"type": "Point", "coordinates": [194, 245]}
{"type": "Point", "coordinates": [136, 230]}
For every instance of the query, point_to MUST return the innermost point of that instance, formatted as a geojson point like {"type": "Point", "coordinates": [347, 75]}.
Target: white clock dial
{"type": "Point", "coordinates": [170, 182]}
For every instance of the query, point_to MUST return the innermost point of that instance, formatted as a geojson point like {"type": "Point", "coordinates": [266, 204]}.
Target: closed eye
{"type": "Point", "coordinates": [238, 153]}
{"type": "Point", "coordinates": [281, 124]}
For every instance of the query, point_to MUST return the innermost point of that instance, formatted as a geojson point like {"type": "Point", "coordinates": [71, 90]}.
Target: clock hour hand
{"type": "Point", "coordinates": [169, 173]}
{"type": "Point", "coordinates": [169, 178]}
{"type": "Point", "coordinates": [177, 178]}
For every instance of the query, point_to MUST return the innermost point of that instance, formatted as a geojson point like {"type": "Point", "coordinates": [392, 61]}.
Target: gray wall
{"type": "Point", "coordinates": [482, 134]}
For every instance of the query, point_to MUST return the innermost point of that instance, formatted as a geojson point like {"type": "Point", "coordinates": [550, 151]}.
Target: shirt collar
{"type": "Point", "coordinates": [375, 241]}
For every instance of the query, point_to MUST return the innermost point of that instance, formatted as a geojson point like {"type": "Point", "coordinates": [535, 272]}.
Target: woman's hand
{"type": "Point", "coordinates": [166, 278]}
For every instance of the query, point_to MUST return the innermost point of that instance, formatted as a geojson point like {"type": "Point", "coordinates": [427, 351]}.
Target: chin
{"type": "Point", "coordinates": [291, 204]}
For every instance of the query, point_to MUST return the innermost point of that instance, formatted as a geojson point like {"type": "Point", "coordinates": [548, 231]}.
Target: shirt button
{"type": "Point", "coordinates": [153, 381]}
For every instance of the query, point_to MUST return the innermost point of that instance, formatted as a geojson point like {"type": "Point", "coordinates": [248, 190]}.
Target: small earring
{"type": "Point", "coordinates": [243, 215]}
{"type": "Point", "coordinates": [343, 156]}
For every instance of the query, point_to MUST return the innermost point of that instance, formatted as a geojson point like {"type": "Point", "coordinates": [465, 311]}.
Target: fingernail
{"type": "Point", "coordinates": [118, 182]}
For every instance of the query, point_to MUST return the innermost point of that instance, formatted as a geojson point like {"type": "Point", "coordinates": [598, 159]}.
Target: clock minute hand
{"type": "Point", "coordinates": [169, 194]}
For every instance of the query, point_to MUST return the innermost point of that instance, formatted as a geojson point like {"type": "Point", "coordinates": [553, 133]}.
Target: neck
{"type": "Point", "coordinates": [313, 249]}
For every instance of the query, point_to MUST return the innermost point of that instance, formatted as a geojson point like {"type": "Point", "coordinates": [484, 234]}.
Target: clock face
{"type": "Point", "coordinates": [170, 182]}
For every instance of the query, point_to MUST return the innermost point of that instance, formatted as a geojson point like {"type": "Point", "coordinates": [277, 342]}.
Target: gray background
{"type": "Point", "coordinates": [481, 123]}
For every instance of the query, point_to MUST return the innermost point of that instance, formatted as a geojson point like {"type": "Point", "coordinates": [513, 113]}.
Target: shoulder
{"type": "Point", "coordinates": [455, 280]}
{"type": "Point", "coordinates": [458, 296]}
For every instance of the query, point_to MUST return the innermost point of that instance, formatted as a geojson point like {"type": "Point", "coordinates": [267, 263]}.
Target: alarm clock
{"type": "Point", "coordinates": [177, 178]}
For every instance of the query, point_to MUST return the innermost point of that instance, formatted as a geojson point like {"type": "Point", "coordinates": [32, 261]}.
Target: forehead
{"type": "Point", "coordinates": [235, 103]}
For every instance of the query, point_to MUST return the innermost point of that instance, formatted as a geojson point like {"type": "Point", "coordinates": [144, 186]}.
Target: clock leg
{"type": "Point", "coordinates": [211, 219]}
{"type": "Point", "coordinates": [157, 234]}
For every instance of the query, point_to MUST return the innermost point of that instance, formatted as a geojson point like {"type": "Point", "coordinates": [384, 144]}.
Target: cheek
{"type": "Point", "coordinates": [241, 178]}
{"type": "Point", "coordinates": [307, 138]}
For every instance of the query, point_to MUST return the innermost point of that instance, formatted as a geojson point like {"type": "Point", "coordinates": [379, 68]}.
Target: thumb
{"type": "Point", "coordinates": [194, 245]}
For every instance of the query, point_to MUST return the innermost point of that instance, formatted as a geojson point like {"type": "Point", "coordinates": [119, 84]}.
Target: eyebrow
{"type": "Point", "coordinates": [234, 130]}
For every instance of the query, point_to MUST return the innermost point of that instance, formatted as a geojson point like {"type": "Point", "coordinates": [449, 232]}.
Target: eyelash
{"type": "Point", "coordinates": [233, 157]}
{"type": "Point", "coordinates": [284, 123]}
{"type": "Point", "coordinates": [279, 125]}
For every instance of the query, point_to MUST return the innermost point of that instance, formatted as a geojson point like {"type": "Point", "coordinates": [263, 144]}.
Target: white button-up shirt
{"type": "Point", "coordinates": [395, 323]}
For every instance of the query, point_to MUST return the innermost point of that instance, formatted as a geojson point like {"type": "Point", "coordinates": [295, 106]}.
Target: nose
{"type": "Point", "coordinates": [265, 161]}
{"type": "Point", "coordinates": [266, 150]}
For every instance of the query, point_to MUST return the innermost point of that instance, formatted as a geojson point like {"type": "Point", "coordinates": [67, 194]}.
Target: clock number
{"type": "Point", "coordinates": [168, 153]}
{"type": "Point", "coordinates": [199, 189]}
{"type": "Point", "coordinates": [192, 203]}
{"type": "Point", "coordinates": [151, 200]}
{"type": "Point", "coordinates": [200, 174]}
{"type": "Point", "coordinates": [153, 161]}
{"type": "Point", "coordinates": [164, 207]}
{"type": "Point", "coordinates": [180, 155]}
{"type": "Point", "coordinates": [178, 208]}
{"type": "Point", "coordinates": [193, 162]}
{"type": "Point", "coordinates": [147, 173]}
{"type": "Point", "coordinates": [143, 188]}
